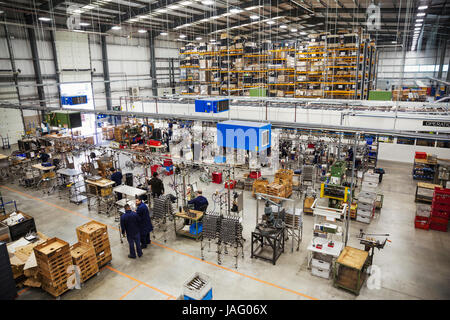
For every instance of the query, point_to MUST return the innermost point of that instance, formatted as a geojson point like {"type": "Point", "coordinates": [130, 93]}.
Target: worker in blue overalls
{"type": "Point", "coordinates": [200, 202]}
{"type": "Point", "coordinates": [146, 222]}
{"type": "Point", "coordinates": [130, 226]}
{"type": "Point", "coordinates": [117, 177]}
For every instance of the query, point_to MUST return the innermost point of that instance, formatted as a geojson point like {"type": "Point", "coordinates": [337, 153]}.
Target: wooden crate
{"type": "Point", "coordinates": [104, 257]}
{"type": "Point", "coordinates": [55, 291]}
{"type": "Point", "coordinates": [83, 256]}
{"type": "Point", "coordinates": [53, 259]}
{"type": "Point", "coordinates": [93, 232]}
{"type": "Point", "coordinates": [259, 186]}
{"type": "Point", "coordinates": [277, 190]}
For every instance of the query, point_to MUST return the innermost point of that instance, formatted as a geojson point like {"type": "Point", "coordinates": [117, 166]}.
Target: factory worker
{"type": "Point", "coordinates": [156, 184]}
{"type": "Point", "coordinates": [146, 224]}
{"type": "Point", "coordinates": [117, 177]}
{"type": "Point", "coordinates": [130, 226]}
{"type": "Point", "coordinates": [200, 202]}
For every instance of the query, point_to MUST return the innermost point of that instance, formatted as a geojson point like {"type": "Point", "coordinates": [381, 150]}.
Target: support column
{"type": "Point", "coordinates": [151, 44]}
{"type": "Point", "coordinates": [36, 63]}
{"type": "Point", "coordinates": [106, 73]}
{"type": "Point", "coordinates": [55, 61]}
{"type": "Point", "coordinates": [363, 75]}
{"type": "Point", "coordinates": [14, 70]}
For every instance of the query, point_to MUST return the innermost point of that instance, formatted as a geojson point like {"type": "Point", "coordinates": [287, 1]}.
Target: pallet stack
{"type": "Point", "coordinates": [275, 189]}
{"type": "Point", "coordinates": [440, 209]}
{"type": "Point", "coordinates": [286, 178]}
{"type": "Point", "coordinates": [53, 260]}
{"type": "Point", "coordinates": [84, 257]}
{"type": "Point", "coordinates": [96, 234]}
{"type": "Point", "coordinates": [260, 186]}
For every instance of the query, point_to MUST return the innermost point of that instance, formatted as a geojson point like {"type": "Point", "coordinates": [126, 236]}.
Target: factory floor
{"type": "Point", "coordinates": [414, 265]}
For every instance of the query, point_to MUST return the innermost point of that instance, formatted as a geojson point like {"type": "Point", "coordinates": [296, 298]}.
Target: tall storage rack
{"type": "Point", "coordinates": [338, 66]}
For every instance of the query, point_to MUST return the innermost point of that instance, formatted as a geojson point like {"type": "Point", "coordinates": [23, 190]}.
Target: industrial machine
{"type": "Point", "coordinates": [212, 105]}
{"type": "Point", "coordinates": [370, 243]}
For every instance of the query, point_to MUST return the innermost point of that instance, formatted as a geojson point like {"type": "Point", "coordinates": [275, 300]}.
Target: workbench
{"type": "Point", "coordinates": [101, 191]}
{"type": "Point", "coordinates": [274, 241]}
{"type": "Point", "coordinates": [321, 261]}
{"type": "Point", "coordinates": [70, 182]}
{"type": "Point", "coordinates": [183, 215]}
{"type": "Point", "coordinates": [350, 272]}
{"type": "Point", "coordinates": [427, 193]}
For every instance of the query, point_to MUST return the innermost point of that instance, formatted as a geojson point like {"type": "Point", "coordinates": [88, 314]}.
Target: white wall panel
{"type": "Point", "coordinates": [72, 49]}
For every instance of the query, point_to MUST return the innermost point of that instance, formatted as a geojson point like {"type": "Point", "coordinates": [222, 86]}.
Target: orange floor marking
{"type": "Point", "coordinates": [129, 291]}
{"type": "Point", "coordinates": [168, 248]}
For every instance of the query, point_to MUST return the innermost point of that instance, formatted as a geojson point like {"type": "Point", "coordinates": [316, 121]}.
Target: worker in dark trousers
{"type": "Point", "coordinates": [117, 177]}
{"type": "Point", "coordinates": [130, 226]}
{"type": "Point", "coordinates": [146, 223]}
{"type": "Point", "coordinates": [156, 185]}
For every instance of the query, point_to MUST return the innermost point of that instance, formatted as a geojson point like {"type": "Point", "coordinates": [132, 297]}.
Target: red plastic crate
{"type": "Point", "coordinates": [254, 174]}
{"type": "Point", "coordinates": [441, 196]}
{"type": "Point", "coordinates": [155, 143]}
{"type": "Point", "coordinates": [422, 223]}
{"type": "Point", "coordinates": [440, 214]}
{"type": "Point", "coordinates": [438, 227]}
{"type": "Point", "coordinates": [217, 177]}
{"type": "Point", "coordinates": [154, 168]}
{"type": "Point", "coordinates": [420, 155]}
{"type": "Point", "coordinates": [438, 220]}
{"type": "Point", "coordinates": [230, 184]}
{"type": "Point", "coordinates": [436, 205]}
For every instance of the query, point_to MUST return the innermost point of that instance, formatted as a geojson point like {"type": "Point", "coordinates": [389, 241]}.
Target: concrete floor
{"type": "Point", "coordinates": [415, 265]}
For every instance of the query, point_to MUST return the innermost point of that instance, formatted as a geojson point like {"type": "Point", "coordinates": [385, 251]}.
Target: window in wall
{"type": "Point", "coordinates": [425, 142]}
{"type": "Point", "coordinates": [405, 140]}
{"type": "Point", "coordinates": [386, 139]}
{"type": "Point", "coordinates": [443, 144]}
{"type": "Point", "coordinates": [425, 68]}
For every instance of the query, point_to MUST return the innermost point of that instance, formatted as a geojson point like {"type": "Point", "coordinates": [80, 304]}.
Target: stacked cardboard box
{"type": "Point", "coordinates": [96, 234]}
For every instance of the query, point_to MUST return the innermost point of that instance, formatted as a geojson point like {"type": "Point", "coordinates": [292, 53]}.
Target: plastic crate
{"type": "Point", "coordinates": [22, 228]}
{"type": "Point", "coordinates": [440, 213]}
{"type": "Point", "coordinates": [422, 223]}
{"type": "Point", "coordinates": [420, 155]}
{"type": "Point", "coordinates": [202, 293]}
{"type": "Point", "coordinates": [438, 220]}
{"type": "Point", "coordinates": [438, 227]}
{"type": "Point", "coordinates": [436, 205]}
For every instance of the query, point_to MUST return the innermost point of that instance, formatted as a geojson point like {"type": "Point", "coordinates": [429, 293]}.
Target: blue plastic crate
{"type": "Point", "coordinates": [193, 227]}
{"type": "Point", "coordinates": [208, 296]}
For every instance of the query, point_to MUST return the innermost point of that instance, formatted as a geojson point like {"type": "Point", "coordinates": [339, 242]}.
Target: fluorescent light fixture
{"type": "Point", "coordinates": [198, 38]}
{"type": "Point", "coordinates": [254, 17]}
{"type": "Point", "coordinates": [418, 24]}
{"type": "Point", "coordinates": [235, 10]}
{"type": "Point", "coordinates": [419, 20]}
{"type": "Point", "coordinates": [394, 41]}
{"type": "Point", "coordinates": [294, 30]}
{"type": "Point", "coordinates": [45, 19]}
{"type": "Point", "coordinates": [417, 29]}
{"type": "Point", "coordinates": [142, 31]}
{"type": "Point", "coordinates": [164, 33]}
{"type": "Point", "coordinates": [270, 22]}
{"type": "Point", "coordinates": [84, 24]}
{"type": "Point", "coordinates": [207, 2]}
{"type": "Point", "coordinates": [283, 26]}
{"type": "Point", "coordinates": [212, 40]}
{"type": "Point", "coordinates": [77, 30]}
{"type": "Point", "coordinates": [185, 3]}
{"type": "Point", "coordinates": [1, 11]}
{"type": "Point", "coordinates": [161, 10]}
{"type": "Point", "coordinates": [421, 14]}
{"type": "Point", "coordinates": [182, 36]}
{"type": "Point", "coordinates": [303, 33]}
{"type": "Point", "coordinates": [88, 7]}
{"type": "Point", "coordinates": [116, 28]}
{"type": "Point", "coordinates": [173, 6]}
{"type": "Point", "coordinates": [422, 7]}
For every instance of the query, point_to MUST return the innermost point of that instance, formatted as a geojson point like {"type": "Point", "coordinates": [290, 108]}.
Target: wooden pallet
{"type": "Point", "coordinates": [104, 257]}
{"type": "Point", "coordinates": [55, 291]}
{"type": "Point", "coordinates": [83, 256]}
{"type": "Point", "coordinates": [94, 233]}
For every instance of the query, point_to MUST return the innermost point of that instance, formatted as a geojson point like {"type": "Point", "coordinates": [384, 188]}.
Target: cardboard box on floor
{"type": "Point", "coordinates": [23, 260]}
